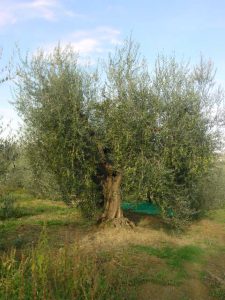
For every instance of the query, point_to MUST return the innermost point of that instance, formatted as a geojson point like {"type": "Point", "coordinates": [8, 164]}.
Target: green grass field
{"type": "Point", "coordinates": [49, 251]}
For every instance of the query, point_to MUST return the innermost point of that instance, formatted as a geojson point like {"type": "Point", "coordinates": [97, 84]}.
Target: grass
{"type": "Point", "coordinates": [29, 215]}
{"type": "Point", "coordinates": [217, 215]}
{"type": "Point", "coordinates": [174, 256]}
{"type": "Point", "coordinates": [96, 269]}
{"type": "Point", "coordinates": [166, 277]}
{"type": "Point", "coordinates": [72, 274]}
{"type": "Point", "coordinates": [174, 272]}
{"type": "Point", "coordinates": [216, 290]}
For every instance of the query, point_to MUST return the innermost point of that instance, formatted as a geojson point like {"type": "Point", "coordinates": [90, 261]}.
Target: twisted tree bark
{"type": "Point", "coordinates": [110, 181]}
{"type": "Point", "coordinates": [112, 196]}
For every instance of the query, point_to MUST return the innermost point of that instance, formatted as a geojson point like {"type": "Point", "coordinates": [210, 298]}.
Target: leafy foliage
{"type": "Point", "coordinates": [154, 128]}
{"type": "Point", "coordinates": [53, 97]}
{"type": "Point", "coordinates": [8, 155]}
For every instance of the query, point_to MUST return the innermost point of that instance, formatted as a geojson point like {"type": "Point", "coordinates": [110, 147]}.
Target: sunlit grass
{"type": "Point", "coordinates": [174, 256]}
{"type": "Point", "coordinates": [217, 215]}
{"type": "Point", "coordinates": [37, 264]}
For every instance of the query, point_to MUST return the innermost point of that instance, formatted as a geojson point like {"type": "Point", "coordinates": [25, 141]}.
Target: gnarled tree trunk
{"type": "Point", "coordinates": [112, 199]}
{"type": "Point", "coordinates": [112, 196]}
{"type": "Point", "coordinates": [111, 188]}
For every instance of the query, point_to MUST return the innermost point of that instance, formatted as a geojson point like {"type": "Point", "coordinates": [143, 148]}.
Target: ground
{"type": "Point", "coordinates": [147, 262]}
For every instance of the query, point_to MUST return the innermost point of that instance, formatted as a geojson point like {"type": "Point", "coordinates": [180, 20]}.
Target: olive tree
{"type": "Point", "coordinates": [8, 150]}
{"type": "Point", "coordinates": [126, 125]}
{"type": "Point", "coordinates": [130, 134]}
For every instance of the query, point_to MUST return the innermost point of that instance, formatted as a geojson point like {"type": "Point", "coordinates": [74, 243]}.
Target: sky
{"type": "Point", "coordinates": [188, 28]}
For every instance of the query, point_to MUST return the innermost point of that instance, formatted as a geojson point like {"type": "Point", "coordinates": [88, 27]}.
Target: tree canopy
{"type": "Point", "coordinates": [125, 134]}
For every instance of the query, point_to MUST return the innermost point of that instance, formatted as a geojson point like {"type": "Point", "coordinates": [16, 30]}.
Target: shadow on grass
{"type": "Point", "coordinates": [149, 221]}
{"type": "Point", "coordinates": [20, 212]}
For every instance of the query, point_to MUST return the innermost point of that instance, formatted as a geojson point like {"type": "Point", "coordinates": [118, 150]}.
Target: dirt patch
{"type": "Point", "coordinates": [191, 290]}
{"type": "Point", "coordinates": [214, 276]}
{"type": "Point", "coordinates": [188, 286]}
{"type": "Point", "coordinates": [174, 284]}
{"type": "Point", "coordinates": [216, 265]}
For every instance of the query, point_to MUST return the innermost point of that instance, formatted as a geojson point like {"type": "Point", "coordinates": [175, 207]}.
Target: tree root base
{"type": "Point", "coordinates": [116, 223]}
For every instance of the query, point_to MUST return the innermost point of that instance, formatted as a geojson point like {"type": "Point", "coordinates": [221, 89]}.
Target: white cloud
{"type": "Point", "coordinates": [13, 11]}
{"type": "Point", "coordinates": [11, 121]}
{"type": "Point", "coordinates": [45, 9]}
{"type": "Point", "coordinates": [101, 34]}
{"type": "Point", "coordinates": [86, 46]}
{"type": "Point", "coordinates": [90, 44]}
{"type": "Point", "coordinates": [6, 18]}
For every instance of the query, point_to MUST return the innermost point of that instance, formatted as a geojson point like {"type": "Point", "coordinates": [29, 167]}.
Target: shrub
{"type": "Point", "coordinates": [8, 207]}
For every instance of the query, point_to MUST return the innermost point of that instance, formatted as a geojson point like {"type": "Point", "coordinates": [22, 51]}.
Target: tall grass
{"type": "Point", "coordinates": [44, 273]}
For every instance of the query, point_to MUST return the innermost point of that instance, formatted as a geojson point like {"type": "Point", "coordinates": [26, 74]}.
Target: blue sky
{"type": "Point", "coordinates": [93, 27]}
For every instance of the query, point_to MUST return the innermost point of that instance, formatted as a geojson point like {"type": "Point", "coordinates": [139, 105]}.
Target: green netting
{"type": "Point", "coordinates": [144, 207]}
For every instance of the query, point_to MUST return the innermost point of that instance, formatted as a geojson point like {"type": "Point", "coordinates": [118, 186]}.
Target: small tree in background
{"type": "Point", "coordinates": [8, 151]}
{"type": "Point", "coordinates": [8, 154]}
{"type": "Point", "coordinates": [133, 134]}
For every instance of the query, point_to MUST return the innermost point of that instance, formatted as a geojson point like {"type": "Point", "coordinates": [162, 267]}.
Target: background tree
{"type": "Point", "coordinates": [8, 151]}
